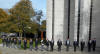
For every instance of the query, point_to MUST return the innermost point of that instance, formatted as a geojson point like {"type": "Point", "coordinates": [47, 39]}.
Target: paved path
{"type": "Point", "coordinates": [19, 51]}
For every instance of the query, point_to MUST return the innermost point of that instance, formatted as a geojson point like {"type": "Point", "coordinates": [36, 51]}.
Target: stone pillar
{"type": "Point", "coordinates": [76, 20]}
{"type": "Point", "coordinates": [85, 19]}
{"type": "Point", "coordinates": [59, 18]}
{"type": "Point", "coordinates": [49, 20]}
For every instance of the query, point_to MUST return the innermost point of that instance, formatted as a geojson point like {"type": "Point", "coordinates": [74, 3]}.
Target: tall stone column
{"type": "Point", "coordinates": [86, 20]}
{"type": "Point", "coordinates": [59, 18]}
{"type": "Point", "coordinates": [49, 20]}
{"type": "Point", "coordinates": [76, 19]}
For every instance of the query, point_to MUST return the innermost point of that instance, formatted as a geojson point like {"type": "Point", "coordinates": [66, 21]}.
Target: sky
{"type": "Point", "coordinates": [37, 5]}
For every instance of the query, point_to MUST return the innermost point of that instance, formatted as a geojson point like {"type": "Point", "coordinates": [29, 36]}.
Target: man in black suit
{"type": "Point", "coordinates": [8, 42]}
{"type": "Point", "coordinates": [89, 45]}
{"type": "Point", "coordinates": [82, 43]}
{"type": "Point", "coordinates": [67, 43]}
{"type": "Point", "coordinates": [31, 44]}
{"type": "Point", "coordinates": [19, 43]}
{"type": "Point", "coordinates": [51, 44]}
{"type": "Point", "coordinates": [4, 41]}
{"type": "Point", "coordinates": [36, 44]}
{"type": "Point", "coordinates": [47, 44]}
{"type": "Point", "coordinates": [94, 44]}
{"type": "Point", "coordinates": [59, 43]}
{"type": "Point", "coordinates": [75, 45]}
{"type": "Point", "coordinates": [15, 43]}
{"type": "Point", "coordinates": [25, 43]}
{"type": "Point", "coordinates": [12, 42]}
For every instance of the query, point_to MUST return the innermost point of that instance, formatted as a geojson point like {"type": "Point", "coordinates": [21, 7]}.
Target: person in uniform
{"type": "Point", "coordinates": [36, 44]}
{"type": "Point", "coordinates": [94, 44]}
{"type": "Point", "coordinates": [42, 45]}
{"type": "Point", "coordinates": [25, 43]}
{"type": "Point", "coordinates": [51, 44]}
{"type": "Point", "coordinates": [89, 45]}
{"type": "Point", "coordinates": [82, 43]}
{"type": "Point", "coordinates": [15, 43]}
{"type": "Point", "coordinates": [67, 43]}
{"type": "Point", "coordinates": [19, 43]}
{"type": "Point", "coordinates": [31, 44]}
{"type": "Point", "coordinates": [8, 42]}
{"type": "Point", "coordinates": [75, 45]}
{"type": "Point", "coordinates": [12, 42]}
{"type": "Point", "coordinates": [4, 41]}
{"type": "Point", "coordinates": [59, 43]}
{"type": "Point", "coordinates": [47, 44]}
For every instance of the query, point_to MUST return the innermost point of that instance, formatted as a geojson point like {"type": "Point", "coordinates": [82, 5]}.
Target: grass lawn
{"type": "Point", "coordinates": [0, 41]}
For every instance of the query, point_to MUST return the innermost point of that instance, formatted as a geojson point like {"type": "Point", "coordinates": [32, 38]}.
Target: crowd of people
{"type": "Point", "coordinates": [16, 43]}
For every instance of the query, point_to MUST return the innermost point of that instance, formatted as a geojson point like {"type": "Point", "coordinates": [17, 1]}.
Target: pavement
{"type": "Point", "coordinates": [5, 50]}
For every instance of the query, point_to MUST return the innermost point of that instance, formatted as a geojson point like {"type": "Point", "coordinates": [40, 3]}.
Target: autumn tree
{"type": "Point", "coordinates": [3, 21]}
{"type": "Point", "coordinates": [20, 16]}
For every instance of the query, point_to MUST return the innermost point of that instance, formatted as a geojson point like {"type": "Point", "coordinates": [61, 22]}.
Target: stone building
{"type": "Point", "coordinates": [73, 19]}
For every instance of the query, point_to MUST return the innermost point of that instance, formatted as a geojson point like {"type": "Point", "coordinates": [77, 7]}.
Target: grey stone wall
{"type": "Point", "coordinates": [96, 21]}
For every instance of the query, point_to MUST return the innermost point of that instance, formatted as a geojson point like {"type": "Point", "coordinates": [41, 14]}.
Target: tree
{"type": "Point", "coordinates": [43, 25]}
{"type": "Point", "coordinates": [20, 16]}
{"type": "Point", "coordinates": [3, 21]}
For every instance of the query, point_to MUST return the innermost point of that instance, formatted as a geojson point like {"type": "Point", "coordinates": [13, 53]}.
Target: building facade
{"type": "Point", "coordinates": [73, 19]}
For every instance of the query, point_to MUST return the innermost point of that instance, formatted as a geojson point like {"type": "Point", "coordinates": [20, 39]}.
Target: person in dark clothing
{"type": "Point", "coordinates": [51, 44]}
{"type": "Point", "coordinates": [25, 43]}
{"type": "Point", "coordinates": [59, 43]}
{"type": "Point", "coordinates": [8, 42]}
{"type": "Point", "coordinates": [94, 44]}
{"type": "Point", "coordinates": [82, 43]}
{"type": "Point", "coordinates": [42, 45]}
{"type": "Point", "coordinates": [4, 41]}
{"type": "Point", "coordinates": [12, 42]}
{"type": "Point", "coordinates": [47, 44]}
{"type": "Point", "coordinates": [75, 45]}
{"type": "Point", "coordinates": [15, 43]}
{"type": "Point", "coordinates": [31, 44]}
{"type": "Point", "coordinates": [36, 44]}
{"type": "Point", "coordinates": [19, 43]}
{"type": "Point", "coordinates": [67, 43]}
{"type": "Point", "coordinates": [89, 45]}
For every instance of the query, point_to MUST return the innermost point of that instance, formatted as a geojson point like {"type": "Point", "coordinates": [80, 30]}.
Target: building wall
{"type": "Point", "coordinates": [85, 19]}
{"type": "Point", "coordinates": [96, 21]}
{"type": "Point", "coordinates": [61, 20]}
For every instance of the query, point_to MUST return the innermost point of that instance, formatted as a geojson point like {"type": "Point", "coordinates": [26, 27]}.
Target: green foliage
{"type": "Point", "coordinates": [20, 16]}
{"type": "Point", "coordinates": [0, 41]}
{"type": "Point", "coordinates": [43, 26]}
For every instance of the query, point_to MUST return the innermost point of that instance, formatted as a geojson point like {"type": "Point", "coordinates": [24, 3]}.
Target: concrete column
{"type": "Point", "coordinates": [59, 18]}
{"type": "Point", "coordinates": [76, 20]}
{"type": "Point", "coordinates": [86, 19]}
{"type": "Point", "coordinates": [49, 20]}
